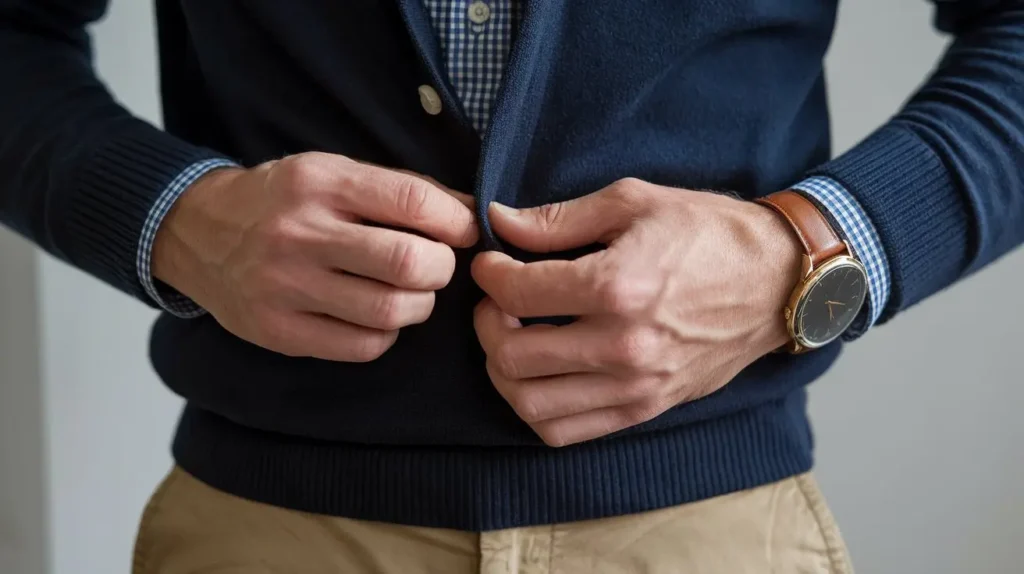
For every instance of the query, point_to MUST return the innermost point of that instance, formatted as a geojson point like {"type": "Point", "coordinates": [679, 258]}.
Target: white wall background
{"type": "Point", "coordinates": [22, 446]}
{"type": "Point", "coordinates": [919, 442]}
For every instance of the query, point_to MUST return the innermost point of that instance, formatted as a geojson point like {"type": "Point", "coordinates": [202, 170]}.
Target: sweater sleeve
{"type": "Point", "coordinates": [78, 173]}
{"type": "Point", "coordinates": [943, 180]}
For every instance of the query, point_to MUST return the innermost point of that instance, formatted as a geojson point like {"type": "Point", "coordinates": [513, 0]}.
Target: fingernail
{"type": "Point", "coordinates": [504, 209]}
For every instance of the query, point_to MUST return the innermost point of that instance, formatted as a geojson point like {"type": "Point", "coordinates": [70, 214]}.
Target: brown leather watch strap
{"type": "Point", "coordinates": [814, 231]}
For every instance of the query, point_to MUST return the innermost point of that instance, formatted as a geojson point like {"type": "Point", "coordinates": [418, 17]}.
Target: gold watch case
{"type": "Point", "coordinates": [810, 276]}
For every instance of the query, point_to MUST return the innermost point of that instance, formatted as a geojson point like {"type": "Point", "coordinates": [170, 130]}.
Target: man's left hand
{"type": "Point", "coordinates": [688, 292]}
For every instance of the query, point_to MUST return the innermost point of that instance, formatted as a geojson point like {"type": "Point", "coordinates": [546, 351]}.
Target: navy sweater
{"type": "Point", "coordinates": [706, 94]}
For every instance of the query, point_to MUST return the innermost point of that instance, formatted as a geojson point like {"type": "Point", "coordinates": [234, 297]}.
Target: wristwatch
{"type": "Point", "coordinates": [833, 283]}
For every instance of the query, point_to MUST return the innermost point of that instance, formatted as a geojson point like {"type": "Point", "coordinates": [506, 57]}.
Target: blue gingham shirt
{"type": "Point", "coordinates": [476, 37]}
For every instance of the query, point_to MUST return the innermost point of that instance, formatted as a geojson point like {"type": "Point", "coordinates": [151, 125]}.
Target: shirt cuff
{"type": "Point", "coordinates": [863, 239]}
{"type": "Point", "coordinates": [170, 300]}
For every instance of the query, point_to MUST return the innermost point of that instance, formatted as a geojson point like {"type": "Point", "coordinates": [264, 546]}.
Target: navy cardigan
{"type": "Point", "coordinates": [705, 94]}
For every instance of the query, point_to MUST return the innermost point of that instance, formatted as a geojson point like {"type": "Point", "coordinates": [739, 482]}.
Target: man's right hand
{"type": "Point", "coordinates": [285, 255]}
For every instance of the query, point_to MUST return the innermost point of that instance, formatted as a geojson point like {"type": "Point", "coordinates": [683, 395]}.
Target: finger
{"type": "Point", "coordinates": [546, 350]}
{"type": "Point", "coordinates": [464, 198]}
{"type": "Point", "coordinates": [536, 400]}
{"type": "Point", "coordinates": [596, 423]}
{"type": "Point", "coordinates": [540, 289]}
{"type": "Point", "coordinates": [492, 325]}
{"type": "Point", "coordinates": [394, 198]}
{"type": "Point", "coordinates": [594, 218]}
{"type": "Point", "coordinates": [367, 302]}
{"type": "Point", "coordinates": [327, 338]}
{"type": "Point", "coordinates": [400, 259]}
{"type": "Point", "coordinates": [600, 344]}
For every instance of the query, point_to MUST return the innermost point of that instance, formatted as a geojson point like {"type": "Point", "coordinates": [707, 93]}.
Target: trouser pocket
{"type": "Point", "coordinates": [839, 557]}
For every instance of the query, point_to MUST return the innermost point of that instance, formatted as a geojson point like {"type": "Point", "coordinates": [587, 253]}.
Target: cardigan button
{"type": "Point", "coordinates": [429, 99]}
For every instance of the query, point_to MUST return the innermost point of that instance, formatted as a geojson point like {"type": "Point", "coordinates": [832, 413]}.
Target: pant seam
{"type": "Point", "coordinates": [838, 555]}
{"type": "Point", "coordinates": [773, 517]}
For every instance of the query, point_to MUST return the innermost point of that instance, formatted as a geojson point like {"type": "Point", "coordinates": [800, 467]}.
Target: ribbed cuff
{"type": "Point", "coordinates": [910, 196]}
{"type": "Point", "coordinates": [113, 196]}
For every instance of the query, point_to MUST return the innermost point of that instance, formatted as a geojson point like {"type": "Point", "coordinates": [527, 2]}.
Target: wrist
{"type": "Point", "coordinates": [196, 232]}
{"type": "Point", "coordinates": [781, 264]}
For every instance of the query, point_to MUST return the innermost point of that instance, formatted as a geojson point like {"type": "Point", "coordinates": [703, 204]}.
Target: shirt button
{"type": "Point", "coordinates": [479, 12]}
{"type": "Point", "coordinates": [429, 99]}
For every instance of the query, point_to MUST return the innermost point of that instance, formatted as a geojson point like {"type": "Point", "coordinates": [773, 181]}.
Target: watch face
{"type": "Point", "coordinates": [830, 304]}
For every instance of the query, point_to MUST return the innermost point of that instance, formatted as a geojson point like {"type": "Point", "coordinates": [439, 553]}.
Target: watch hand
{"type": "Point", "coordinates": [830, 303]}
{"type": "Point", "coordinates": [830, 317]}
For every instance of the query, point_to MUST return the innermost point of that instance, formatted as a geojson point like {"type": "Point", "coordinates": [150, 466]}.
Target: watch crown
{"type": "Point", "coordinates": [787, 313]}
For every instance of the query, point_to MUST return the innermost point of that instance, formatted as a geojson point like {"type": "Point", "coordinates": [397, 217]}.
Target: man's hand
{"type": "Point", "coordinates": [689, 291]}
{"type": "Point", "coordinates": [285, 256]}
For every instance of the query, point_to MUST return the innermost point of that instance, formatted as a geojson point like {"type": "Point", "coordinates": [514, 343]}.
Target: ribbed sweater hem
{"type": "Point", "coordinates": [488, 488]}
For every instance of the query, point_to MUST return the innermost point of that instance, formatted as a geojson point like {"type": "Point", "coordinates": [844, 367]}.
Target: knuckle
{"type": "Point", "coordinates": [296, 175]}
{"type": "Point", "coordinates": [281, 227]}
{"type": "Point", "coordinates": [634, 348]}
{"type": "Point", "coordinates": [506, 362]}
{"type": "Point", "coordinates": [613, 293]}
{"type": "Point", "coordinates": [632, 416]}
{"type": "Point", "coordinates": [427, 309]}
{"type": "Point", "coordinates": [552, 436]}
{"type": "Point", "coordinates": [550, 215]}
{"type": "Point", "coordinates": [624, 294]}
{"type": "Point", "coordinates": [617, 293]}
{"type": "Point", "coordinates": [626, 185]}
{"type": "Point", "coordinates": [511, 296]}
{"type": "Point", "coordinates": [372, 347]}
{"type": "Point", "coordinates": [524, 404]}
{"type": "Point", "coordinates": [441, 270]}
{"type": "Point", "coordinates": [625, 188]}
{"type": "Point", "coordinates": [404, 261]}
{"type": "Point", "coordinates": [625, 193]}
{"type": "Point", "coordinates": [387, 311]}
{"type": "Point", "coordinates": [412, 197]}
{"type": "Point", "coordinates": [642, 411]}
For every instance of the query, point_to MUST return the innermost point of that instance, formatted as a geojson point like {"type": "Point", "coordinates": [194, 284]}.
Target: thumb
{"type": "Point", "coordinates": [594, 218]}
